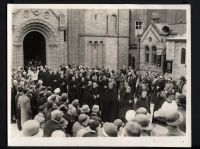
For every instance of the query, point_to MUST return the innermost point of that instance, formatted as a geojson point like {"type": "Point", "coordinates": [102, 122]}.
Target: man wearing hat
{"type": "Point", "coordinates": [95, 111]}
{"type": "Point", "coordinates": [63, 99]}
{"type": "Point", "coordinates": [132, 129]}
{"type": "Point", "coordinates": [48, 109]}
{"type": "Point", "coordinates": [57, 92]}
{"type": "Point", "coordinates": [75, 103]}
{"type": "Point", "coordinates": [31, 128]}
{"type": "Point", "coordinates": [92, 129]}
{"type": "Point", "coordinates": [40, 116]}
{"type": "Point", "coordinates": [82, 123]}
{"type": "Point", "coordinates": [144, 121]}
{"type": "Point", "coordinates": [173, 121]}
{"type": "Point", "coordinates": [53, 124]}
{"type": "Point", "coordinates": [130, 115]}
{"type": "Point", "coordinates": [71, 117]}
{"type": "Point", "coordinates": [85, 109]}
{"type": "Point", "coordinates": [119, 124]}
{"type": "Point", "coordinates": [108, 130]}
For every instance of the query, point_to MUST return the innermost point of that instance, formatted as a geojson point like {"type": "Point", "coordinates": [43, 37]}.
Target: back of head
{"type": "Point", "coordinates": [132, 129]}
{"type": "Point", "coordinates": [118, 123]}
{"type": "Point", "coordinates": [94, 125]}
{"type": "Point", "coordinates": [56, 115]}
{"type": "Point", "coordinates": [109, 130]}
{"type": "Point", "coordinates": [130, 115]}
{"type": "Point", "coordinates": [58, 133]}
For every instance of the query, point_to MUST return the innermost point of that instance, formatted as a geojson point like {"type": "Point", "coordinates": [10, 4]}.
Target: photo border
{"type": "Point", "coordinates": [100, 141]}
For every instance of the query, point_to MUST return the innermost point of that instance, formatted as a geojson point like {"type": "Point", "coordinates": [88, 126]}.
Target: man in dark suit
{"type": "Point", "coordinates": [53, 124]}
{"type": "Point", "coordinates": [18, 111]}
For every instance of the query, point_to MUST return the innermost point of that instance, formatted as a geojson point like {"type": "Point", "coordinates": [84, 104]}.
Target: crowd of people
{"type": "Point", "coordinates": [77, 101]}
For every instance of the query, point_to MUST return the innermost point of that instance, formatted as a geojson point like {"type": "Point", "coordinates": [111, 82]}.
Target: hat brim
{"type": "Point", "coordinates": [177, 122]}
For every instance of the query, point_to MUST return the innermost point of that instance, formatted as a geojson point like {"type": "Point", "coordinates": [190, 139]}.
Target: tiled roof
{"type": "Point", "coordinates": [175, 28]}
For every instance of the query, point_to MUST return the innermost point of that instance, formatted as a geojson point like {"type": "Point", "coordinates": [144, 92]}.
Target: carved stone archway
{"type": "Point", "coordinates": [51, 37]}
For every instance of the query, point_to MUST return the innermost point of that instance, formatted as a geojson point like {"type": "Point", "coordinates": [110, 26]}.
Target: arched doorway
{"type": "Point", "coordinates": [34, 47]}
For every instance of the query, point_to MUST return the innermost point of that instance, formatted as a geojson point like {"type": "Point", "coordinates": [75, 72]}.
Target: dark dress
{"type": "Point", "coordinates": [110, 106]}
{"type": "Point", "coordinates": [62, 84]}
{"type": "Point", "coordinates": [86, 94]}
{"type": "Point", "coordinates": [92, 100]}
{"type": "Point", "coordinates": [80, 91]}
{"type": "Point", "coordinates": [72, 90]}
{"type": "Point", "coordinates": [125, 105]}
{"type": "Point", "coordinates": [143, 102]}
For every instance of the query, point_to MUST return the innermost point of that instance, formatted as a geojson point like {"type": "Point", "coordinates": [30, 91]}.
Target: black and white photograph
{"type": "Point", "coordinates": [99, 75]}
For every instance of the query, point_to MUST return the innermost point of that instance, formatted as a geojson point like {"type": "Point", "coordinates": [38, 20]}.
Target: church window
{"type": "Point", "coordinates": [65, 36]}
{"type": "Point", "coordinates": [146, 54]}
{"type": "Point", "coordinates": [183, 55]}
{"type": "Point", "coordinates": [138, 25]}
{"type": "Point", "coordinates": [154, 50]}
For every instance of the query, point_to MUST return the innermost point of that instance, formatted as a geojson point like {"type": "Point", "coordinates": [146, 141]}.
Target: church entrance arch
{"type": "Point", "coordinates": [34, 48]}
{"type": "Point", "coordinates": [38, 40]}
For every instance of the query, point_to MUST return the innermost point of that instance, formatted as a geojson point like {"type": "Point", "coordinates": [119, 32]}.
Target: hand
{"type": "Point", "coordinates": [95, 97]}
{"type": "Point", "coordinates": [98, 96]}
{"type": "Point", "coordinates": [130, 101]}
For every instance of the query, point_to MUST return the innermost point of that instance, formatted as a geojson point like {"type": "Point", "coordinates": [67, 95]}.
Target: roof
{"type": "Point", "coordinates": [175, 28]}
{"type": "Point", "coordinates": [177, 37]}
{"type": "Point", "coordinates": [178, 28]}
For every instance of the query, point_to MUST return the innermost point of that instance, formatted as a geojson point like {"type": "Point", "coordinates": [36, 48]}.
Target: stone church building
{"type": "Point", "coordinates": [73, 36]}
{"type": "Point", "coordinates": [110, 38]}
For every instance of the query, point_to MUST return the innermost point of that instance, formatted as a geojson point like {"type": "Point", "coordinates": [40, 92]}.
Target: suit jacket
{"type": "Point", "coordinates": [51, 126]}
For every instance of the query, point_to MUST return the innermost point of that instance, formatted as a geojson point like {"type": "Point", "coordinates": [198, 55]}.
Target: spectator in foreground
{"type": "Point", "coordinates": [53, 124]}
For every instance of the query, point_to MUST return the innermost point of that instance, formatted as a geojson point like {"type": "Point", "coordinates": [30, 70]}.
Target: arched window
{"type": "Point", "coordinates": [62, 19]}
{"type": "Point", "coordinates": [114, 22]}
{"type": "Point", "coordinates": [100, 54]}
{"type": "Point", "coordinates": [89, 54]}
{"type": "Point", "coordinates": [183, 55]}
{"type": "Point", "coordinates": [146, 54]}
{"type": "Point", "coordinates": [95, 16]}
{"type": "Point", "coordinates": [154, 50]}
{"type": "Point", "coordinates": [95, 54]}
{"type": "Point", "coordinates": [150, 39]}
